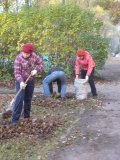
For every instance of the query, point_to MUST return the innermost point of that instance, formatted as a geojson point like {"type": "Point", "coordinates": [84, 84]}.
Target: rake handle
{"type": "Point", "coordinates": [21, 88]}
{"type": "Point", "coordinates": [3, 114]}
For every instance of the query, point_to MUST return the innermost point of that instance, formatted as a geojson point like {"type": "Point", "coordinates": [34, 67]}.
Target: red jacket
{"type": "Point", "coordinates": [85, 64]}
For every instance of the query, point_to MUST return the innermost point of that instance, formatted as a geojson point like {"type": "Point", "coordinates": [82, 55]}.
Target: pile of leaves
{"type": "Point", "coordinates": [51, 102]}
{"type": "Point", "coordinates": [5, 101]}
{"type": "Point", "coordinates": [38, 100]}
{"type": "Point", "coordinates": [7, 83]}
{"type": "Point", "coordinates": [30, 127]}
{"type": "Point", "coordinates": [37, 127]}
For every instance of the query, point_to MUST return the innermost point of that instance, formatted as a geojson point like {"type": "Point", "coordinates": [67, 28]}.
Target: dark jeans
{"type": "Point", "coordinates": [91, 81]}
{"type": "Point", "coordinates": [58, 84]}
{"type": "Point", "coordinates": [23, 100]}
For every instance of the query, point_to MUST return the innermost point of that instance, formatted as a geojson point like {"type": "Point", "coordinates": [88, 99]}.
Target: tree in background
{"type": "Point", "coordinates": [115, 13]}
{"type": "Point", "coordinates": [105, 4]}
{"type": "Point", "coordinates": [6, 5]}
{"type": "Point", "coordinates": [40, 3]}
{"type": "Point", "coordinates": [56, 29]}
{"type": "Point", "coordinates": [27, 3]}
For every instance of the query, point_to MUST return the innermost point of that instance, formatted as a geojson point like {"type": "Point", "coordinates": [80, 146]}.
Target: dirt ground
{"type": "Point", "coordinates": [97, 131]}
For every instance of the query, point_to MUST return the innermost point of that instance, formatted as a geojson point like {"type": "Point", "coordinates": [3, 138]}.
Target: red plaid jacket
{"type": "Point", "coordinates": [24, 66]}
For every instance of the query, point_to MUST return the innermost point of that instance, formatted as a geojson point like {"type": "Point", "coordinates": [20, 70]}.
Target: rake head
{"type": "Point", "coordinates": [8, 112]}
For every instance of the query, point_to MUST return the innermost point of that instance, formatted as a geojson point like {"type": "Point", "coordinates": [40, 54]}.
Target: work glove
{"type": "Point", "coordinates": [77, 77]}
{"type": "Point", "coordinates": [22, 85]}
{"type": "Point", "coordinates": [87, 78]}
{"type": "Point", "coordinates": [34, 72]}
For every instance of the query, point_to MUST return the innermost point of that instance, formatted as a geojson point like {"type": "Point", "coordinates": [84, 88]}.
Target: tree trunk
{"type": "Point", "coordinates": [63, 1]}
{"type": "Point", "coordinates": [5, 5]}
{"type": "Point", "coordinates": [41, 3]}
{"type": "Point", "coordinates": [17, 5]}
{"type": "Point", "coordinates": [27, 3]}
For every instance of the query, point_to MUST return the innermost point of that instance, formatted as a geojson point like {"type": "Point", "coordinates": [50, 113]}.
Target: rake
{"type": "Point", "coordinates": [9, 108]}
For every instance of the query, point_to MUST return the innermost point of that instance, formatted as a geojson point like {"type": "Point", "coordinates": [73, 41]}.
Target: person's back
{"type": "Point", "coordinates": [56, 74]}
{"type": "Point", "coordinates": [53, 70]}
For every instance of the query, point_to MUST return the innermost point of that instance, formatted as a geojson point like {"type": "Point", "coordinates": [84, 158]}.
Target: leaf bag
{"type": "Point", "coordinates": [81, 91]}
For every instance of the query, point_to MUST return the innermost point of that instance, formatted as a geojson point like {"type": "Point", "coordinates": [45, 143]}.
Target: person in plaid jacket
{"type": "Point", "coordinates": [26, 63]}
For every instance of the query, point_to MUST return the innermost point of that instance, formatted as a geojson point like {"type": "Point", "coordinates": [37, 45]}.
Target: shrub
{"type": "Point", "coordinates": [58, 30]}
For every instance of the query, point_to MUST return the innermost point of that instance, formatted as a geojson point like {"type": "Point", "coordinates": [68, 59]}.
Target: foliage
{"type": "Point", "coordinates": [96, 46]}
{"type": "Point", "coordinates": [7, 4]}
{"type": "Point", "coordinates": [99, 12]}
{"type": "Point", "coordinates": [9, 32]}
{"type": "Point", "coordinates": [105, 4]}
{"type": "Point", "coordinates": [58, 30]}
{"type": "Point", "coordinates": [6, 68]}
{"type": "Point", "coordinates": [115, 13]}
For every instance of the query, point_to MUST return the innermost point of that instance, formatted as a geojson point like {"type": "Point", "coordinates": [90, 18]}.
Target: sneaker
{"type": "Point", "coordinates": [95, 97]}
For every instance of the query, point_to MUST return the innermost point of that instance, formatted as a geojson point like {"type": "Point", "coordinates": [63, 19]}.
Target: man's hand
{"type": "Point", "coordinates": [87, 78]}
{"type": "Point", "coordinates": [34, 72]}
{"type": "Point", "coordinates": [22, 85]}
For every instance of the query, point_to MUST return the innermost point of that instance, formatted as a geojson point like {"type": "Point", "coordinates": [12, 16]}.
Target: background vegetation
{"type": "Point", "coordinates": [56, 28]}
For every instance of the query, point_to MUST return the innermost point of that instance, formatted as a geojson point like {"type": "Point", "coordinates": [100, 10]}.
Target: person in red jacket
{"type": "Point", "coordinates": [85, 66]}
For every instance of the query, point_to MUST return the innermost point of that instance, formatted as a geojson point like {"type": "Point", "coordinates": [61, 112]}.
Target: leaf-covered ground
{"type": "Point", "coordinates": [49, 119]}
{"type": "Point", "coordinates": [7, 83]}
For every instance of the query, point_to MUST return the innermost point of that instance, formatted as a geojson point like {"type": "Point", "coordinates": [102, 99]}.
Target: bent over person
{"type": "Point", "coordinates": [26, 63]}
{"type": "Point", "coordinates": [56, 74]}
{"type": "Point", "coordinates": [85, 66]}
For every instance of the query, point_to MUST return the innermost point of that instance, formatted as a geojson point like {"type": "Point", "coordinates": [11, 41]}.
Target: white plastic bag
{"type": "Point", "coordinates": [81, 91]}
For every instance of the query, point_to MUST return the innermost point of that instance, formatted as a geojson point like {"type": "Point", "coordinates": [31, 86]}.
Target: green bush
{"type": "Point", "coordinates": [58, 29]}
{"type": "Point", "coordinates": [6, 69]}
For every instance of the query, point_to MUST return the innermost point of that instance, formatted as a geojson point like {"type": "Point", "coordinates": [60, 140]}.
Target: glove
{"type": "Point", "coordinates": [34, 72]}
{"type": "Point", "coordinates": [87, 78]}
{"type": "Point", "coordinates": [76, 77]}
{"type": "Point", "coordinates": [22, 85]}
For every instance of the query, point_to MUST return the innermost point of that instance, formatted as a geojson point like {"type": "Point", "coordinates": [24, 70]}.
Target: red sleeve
{"type": "Point", "coordinates": [77, 66]}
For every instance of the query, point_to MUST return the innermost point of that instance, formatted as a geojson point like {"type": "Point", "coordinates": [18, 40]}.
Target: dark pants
{"type": "Point", "coordinates": [91, 81]}
{"type": "Point", "coordinates": [58, 84]}
{"type": "Point", "coordinates": [23, 101]}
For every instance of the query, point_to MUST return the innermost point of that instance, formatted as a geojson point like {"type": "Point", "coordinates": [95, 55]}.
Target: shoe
{"type": "Point", "coordinates": [95, 97]}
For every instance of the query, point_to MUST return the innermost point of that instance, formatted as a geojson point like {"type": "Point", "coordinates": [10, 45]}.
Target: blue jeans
{"type": "Point", "coordinates": [58, 84]}
{"type": "Point", "coordinates": [25, 97]}
{"type": "Point", "coordinates": [52, 77]}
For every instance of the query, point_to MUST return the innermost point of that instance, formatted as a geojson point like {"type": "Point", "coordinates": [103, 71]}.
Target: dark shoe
{"type": "Point", "coordinates": [95, 97]}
